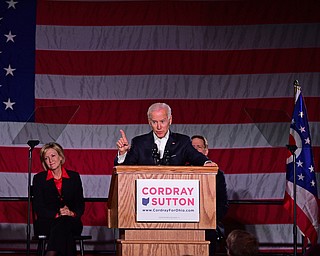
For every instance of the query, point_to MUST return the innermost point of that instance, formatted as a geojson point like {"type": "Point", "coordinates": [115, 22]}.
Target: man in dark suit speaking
{"type": "Point", "coordinates": [161, 146]}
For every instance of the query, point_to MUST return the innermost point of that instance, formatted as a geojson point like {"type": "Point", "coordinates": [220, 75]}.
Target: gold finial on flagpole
{"type": "Point", "coordinates": [296, 86]}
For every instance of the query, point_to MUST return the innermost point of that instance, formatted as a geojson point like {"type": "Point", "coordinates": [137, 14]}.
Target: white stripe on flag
{"type": "Point", "coordinates": [106, 136]}
{"type": "Point", "coordinates": [107, 38]}
{"type": "Point", "coordinates": [173, 86]}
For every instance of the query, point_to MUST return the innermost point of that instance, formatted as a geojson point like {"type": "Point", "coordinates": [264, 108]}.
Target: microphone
{"type": "Point", "coordinates": [155, 154]}
{"type": "Point", "coordinates": [166, 157]}
{"type": "Point", "coordinates": [33, 143]}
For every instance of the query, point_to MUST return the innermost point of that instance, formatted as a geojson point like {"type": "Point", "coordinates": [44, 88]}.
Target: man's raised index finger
{"type": "Point", "coordinates": [123, 135]}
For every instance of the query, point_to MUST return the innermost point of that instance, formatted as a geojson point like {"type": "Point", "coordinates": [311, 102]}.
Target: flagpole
{"type": "Point", "coordinates": [292, 149]}
{"type": "Point", "coordinates": [32, 144]}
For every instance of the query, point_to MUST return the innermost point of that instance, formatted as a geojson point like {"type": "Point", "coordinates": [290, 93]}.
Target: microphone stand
{"type": "Point", "coordinates": [155, 154]}
{"type": "Point", "coordinates": [292, 149]}
{"type": "Point", "coordinates": [32, 144]}
{"type": "Point", "coordinates": [166, 157]}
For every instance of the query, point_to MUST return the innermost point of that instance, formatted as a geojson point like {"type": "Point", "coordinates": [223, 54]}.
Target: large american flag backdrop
{"type": "Point", "coordinates": [91, 68]}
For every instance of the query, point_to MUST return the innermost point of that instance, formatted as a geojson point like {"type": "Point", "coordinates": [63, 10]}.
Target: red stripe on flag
{"type": "Point", "coordinates": [97, 63]}
{"type": "Point", "coordinates": [93, 164]}
{"type": "Point", "coordinates": [16, 212]}
{"type": "Point", "coordinates": [212, 111]}
{"type": "Point", "coordinates": [247, 213]}
{"type": "Point", "coordinates": [96, 214]}
{"type": "Point", "coordinates": [197, 13]}
{"type": "Point", "coordinates": [262, 160]}
{"type": "Point", "coordinates": [13, 212]}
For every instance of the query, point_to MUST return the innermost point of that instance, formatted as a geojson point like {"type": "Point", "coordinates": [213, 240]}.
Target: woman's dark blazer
{"type": "Point", "coordinates": [47, 201]}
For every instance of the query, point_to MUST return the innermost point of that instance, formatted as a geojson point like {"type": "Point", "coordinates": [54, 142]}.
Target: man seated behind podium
{"type": "Point", "coordinates": [200, 143]}
{"type": "Point", "coordinates": [161, 146]}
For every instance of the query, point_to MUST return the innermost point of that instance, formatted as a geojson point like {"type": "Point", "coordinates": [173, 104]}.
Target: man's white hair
{"type": "Point", "coordinates": [158, 106]}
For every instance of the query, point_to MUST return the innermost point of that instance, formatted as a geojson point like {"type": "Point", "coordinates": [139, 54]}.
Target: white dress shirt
{"type": "Point", "coordinates": [161, 143]}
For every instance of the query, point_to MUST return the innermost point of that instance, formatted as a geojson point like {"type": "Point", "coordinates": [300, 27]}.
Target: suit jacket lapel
{"type": "Point", "coordinates": [171, 142]}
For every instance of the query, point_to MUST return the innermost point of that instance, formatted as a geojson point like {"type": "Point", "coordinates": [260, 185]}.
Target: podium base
{"type": "Point", "coordinates": [163, 242]}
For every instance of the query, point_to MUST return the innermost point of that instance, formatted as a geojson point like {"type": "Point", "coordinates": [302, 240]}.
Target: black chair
{"type": "Point", "coordinates": [42, 242]}
{"type": "Point", "coordinates": [43, 239]}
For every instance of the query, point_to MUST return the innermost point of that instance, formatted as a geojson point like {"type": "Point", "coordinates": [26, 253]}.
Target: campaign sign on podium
{"type": "Point", "coordinates": [167, 200]}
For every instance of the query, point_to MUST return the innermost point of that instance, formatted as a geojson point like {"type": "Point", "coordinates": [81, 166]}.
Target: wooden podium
{"type": "Point", "coordinates": [160, 238]}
